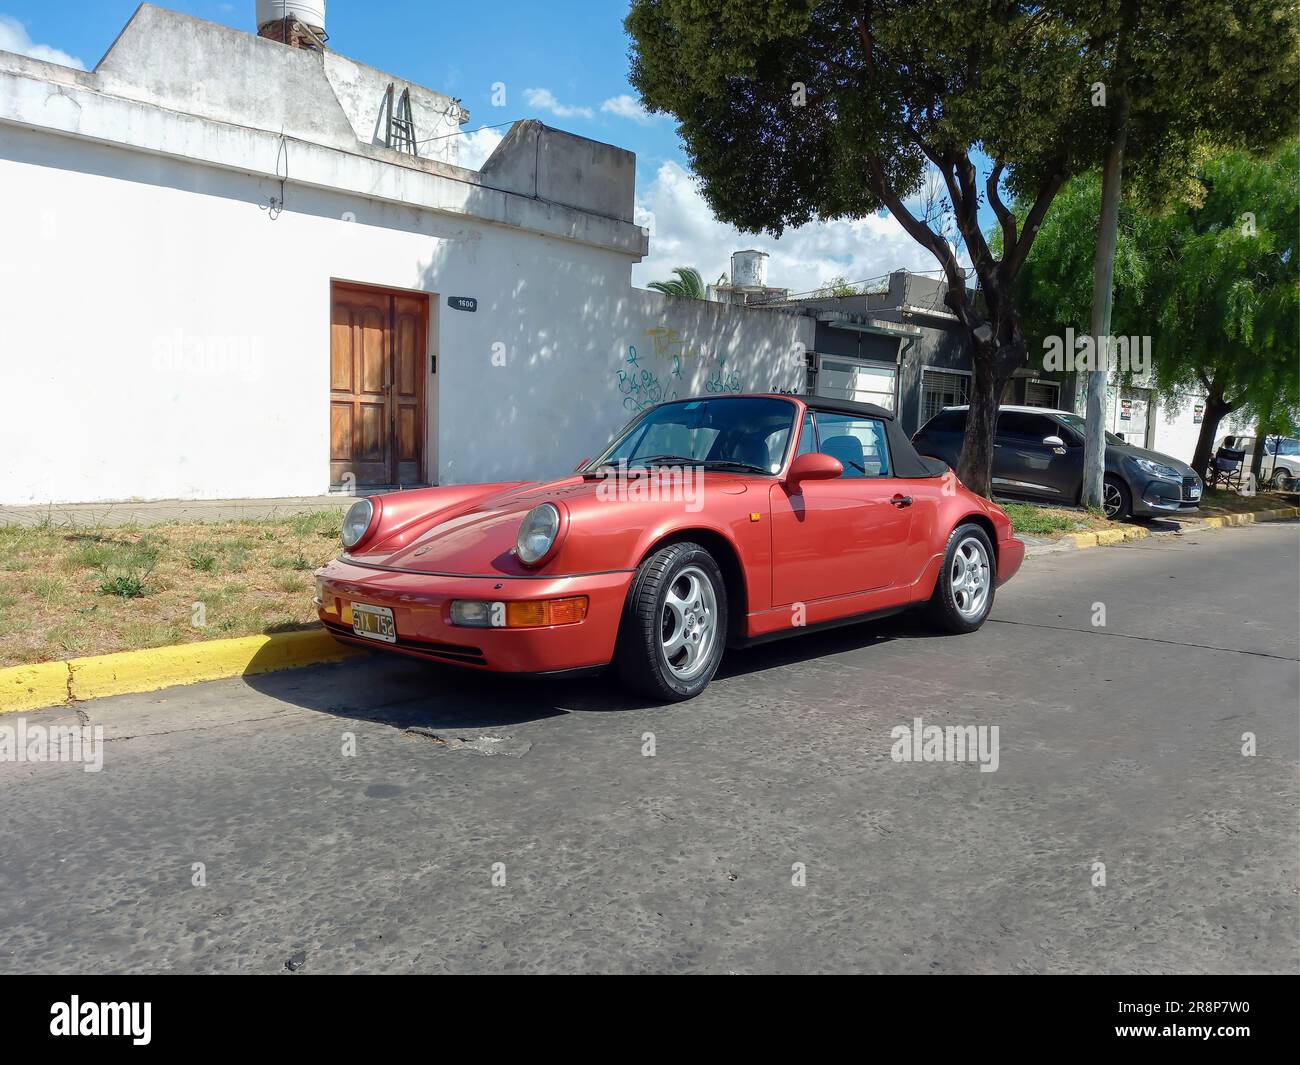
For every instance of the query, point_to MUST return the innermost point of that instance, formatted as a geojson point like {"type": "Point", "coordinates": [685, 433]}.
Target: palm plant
{"type": "Point", "coordinates": [687, 284]}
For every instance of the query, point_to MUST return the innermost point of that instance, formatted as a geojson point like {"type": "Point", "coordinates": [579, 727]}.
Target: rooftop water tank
{"type": "Point", "coordinates": [310, 14]}
{"type": "Point", "coordinates": [749, 269]}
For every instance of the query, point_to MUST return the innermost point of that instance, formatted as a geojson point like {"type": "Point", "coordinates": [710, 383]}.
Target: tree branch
{"type": "Point", "coordinates": [1014, 258]}
{"type": "Point", "coordinates": [916, 229]}
{"type": "Point", "coordinates": [1005, 217]}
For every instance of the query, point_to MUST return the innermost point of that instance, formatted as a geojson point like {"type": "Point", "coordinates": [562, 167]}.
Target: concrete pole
{"type": "Point", "coordinates": [1103, 272]}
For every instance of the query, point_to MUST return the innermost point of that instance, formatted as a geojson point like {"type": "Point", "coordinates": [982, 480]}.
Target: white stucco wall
{"type": "Point", "coordinates": [165, 337]}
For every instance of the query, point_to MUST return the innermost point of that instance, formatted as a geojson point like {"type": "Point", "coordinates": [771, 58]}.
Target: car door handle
{"type": "Point", "coordinates": [901, 501]}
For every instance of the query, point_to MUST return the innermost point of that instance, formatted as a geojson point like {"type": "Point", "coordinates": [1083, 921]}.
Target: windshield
{"type": "Point", "coordinates": [1288, 447]}
{"type": "Point", "coordinates": [748, 434]}
{"type": "Point", "coordinates": [1078, 424]}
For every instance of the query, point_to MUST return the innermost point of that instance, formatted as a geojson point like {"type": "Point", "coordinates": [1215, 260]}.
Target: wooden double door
{"type": "Point", "coordinates": [378, 364]}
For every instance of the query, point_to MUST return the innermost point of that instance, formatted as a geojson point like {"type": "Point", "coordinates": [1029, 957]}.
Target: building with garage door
{"type": "Point", "coordinates": [901, 348]}
{"type": "Point", "coordinates": [246, 266]}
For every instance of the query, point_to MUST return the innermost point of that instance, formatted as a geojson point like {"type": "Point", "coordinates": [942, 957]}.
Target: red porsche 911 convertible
{"type": "Point", "coordinates": [708, 523]}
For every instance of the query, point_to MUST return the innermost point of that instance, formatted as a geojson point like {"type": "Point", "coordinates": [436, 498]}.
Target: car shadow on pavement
{"type": "Point", "coordinates": [406, 693]}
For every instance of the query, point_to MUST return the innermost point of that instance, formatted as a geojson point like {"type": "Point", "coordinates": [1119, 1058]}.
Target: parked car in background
{"type": "Point", "coordinates": [1038, 454]}
{"type": "Point", "coordinates": [1281, 465]}
{"type": "Point", "coordinates": [799, 515]}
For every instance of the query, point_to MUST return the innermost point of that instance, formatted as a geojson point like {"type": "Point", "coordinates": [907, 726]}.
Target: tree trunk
{"type": "Point", "coordinates": [992, 367]}
{"type": "Point", "coordinates": [975, 467]}
{"type": "Point", "coordinates": [1216, 409]}
{"type": "Point", "coordinates": [1257, 459]}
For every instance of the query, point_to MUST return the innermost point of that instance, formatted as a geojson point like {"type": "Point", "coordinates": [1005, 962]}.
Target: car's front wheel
{"type": "Point", "coordinates": [674, 626]}
{"type": "Point", "coordinates": [1115, 499]}
{"type": "Point", "coordinates": [1283, 481]}
{"type": "Point", "coordinates": [963, 594]}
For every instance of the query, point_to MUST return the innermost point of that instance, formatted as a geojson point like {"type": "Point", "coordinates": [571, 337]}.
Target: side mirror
{"type": "Point", "coordinates": [1053, 441]}
{"type": "Point", "coordinates": [581, 463]}
{"type": "Point", "coordinates": [813, 466]}
{"type": "Point", "coordinates": [1120, 435]}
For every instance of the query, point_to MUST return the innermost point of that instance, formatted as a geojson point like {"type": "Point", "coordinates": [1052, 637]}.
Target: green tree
{"type": "Point", "coordinates": [1215, 283]}
{"type": "Point", "coordinates": [1225, 301]}
{"type": "Point", "coordinates": [687, 284]}
{"type": "Point", "coordinates": [1054, 288]}
{"type": "Point", "coordinates": [795, 110]}
{"type": "Point", "coordinates": [837, 286]}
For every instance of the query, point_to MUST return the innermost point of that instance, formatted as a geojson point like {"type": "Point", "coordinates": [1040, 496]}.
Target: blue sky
{"type": "Point", "coordinates": [564, 62]}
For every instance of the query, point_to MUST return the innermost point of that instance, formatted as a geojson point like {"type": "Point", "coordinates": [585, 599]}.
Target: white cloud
{"type": "Point", "coordinates": [14, 38]}
{"type": "Point", "coordinates": [629, 107]}
{"type": "Point", "coordinates": [477, 146]}
{"type": "Point", "coordinates": [683, 232]}
{"type": "Point", "coordinates": [545, 100]}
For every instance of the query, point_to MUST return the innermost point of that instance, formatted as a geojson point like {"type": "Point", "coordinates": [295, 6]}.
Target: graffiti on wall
{"type": "Point", "coordinates": [654, 375]}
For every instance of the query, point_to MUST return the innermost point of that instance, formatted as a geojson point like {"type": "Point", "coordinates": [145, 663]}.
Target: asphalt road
{"type": "Point", "coordinates": [1119, 744]}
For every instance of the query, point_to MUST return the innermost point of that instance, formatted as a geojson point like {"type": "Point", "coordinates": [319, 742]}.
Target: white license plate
{"type": "Point", "coordinates": [1194, 493]}
{"type": "Point", "coordinates": [374, 622]}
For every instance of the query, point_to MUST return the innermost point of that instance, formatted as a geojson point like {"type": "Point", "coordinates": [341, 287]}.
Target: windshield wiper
{"type": "Point", "coordinates": [732, 464]}
{"type": "Point", "coordinates": [663, 460]}
{"type": "Point", "coordinates": [631, 465]}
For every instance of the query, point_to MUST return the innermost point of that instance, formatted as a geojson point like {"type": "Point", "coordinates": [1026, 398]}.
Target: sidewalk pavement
{"type": "Point", "coordinates": [163, 510]}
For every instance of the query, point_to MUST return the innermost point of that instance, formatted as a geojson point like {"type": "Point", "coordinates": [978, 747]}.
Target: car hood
{"type": "Point", "coordinates": [477, 537]}
{"type": "Point", "coordinates": [1121, 451]}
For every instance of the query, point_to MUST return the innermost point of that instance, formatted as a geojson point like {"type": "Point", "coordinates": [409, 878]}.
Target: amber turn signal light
{"type": "Point", "coordinates": [527, 614]}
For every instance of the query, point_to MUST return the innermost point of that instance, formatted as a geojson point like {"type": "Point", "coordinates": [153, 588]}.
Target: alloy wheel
{"type": "Point", "coordinates": [970, 578]}
{"type": "Point", "coordinates": [1111, 500]}
{"type": "Point", "coordinates": [689, 624]}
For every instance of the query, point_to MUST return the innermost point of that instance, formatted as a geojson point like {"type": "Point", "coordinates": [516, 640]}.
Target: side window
{"type": "Point", "coordinates": [1027, 427]}
{"type": "Point", "coordinates": [859, 443]}
{"type": "Point", "coordinates": [807, 436]}
{"type": "Point", "coordinates": [949, 421]}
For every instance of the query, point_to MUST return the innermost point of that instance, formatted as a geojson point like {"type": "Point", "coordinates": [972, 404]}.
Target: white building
{"type": "Point", "coordinates": [221, 275]}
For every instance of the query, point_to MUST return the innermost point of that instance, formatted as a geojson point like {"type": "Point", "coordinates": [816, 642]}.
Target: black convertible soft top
{"type": "Point", "coordinates": [907, 463]}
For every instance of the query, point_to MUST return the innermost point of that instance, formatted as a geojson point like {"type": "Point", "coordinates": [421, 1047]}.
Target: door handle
{"type": "Point", "coordinates": [901, 501]}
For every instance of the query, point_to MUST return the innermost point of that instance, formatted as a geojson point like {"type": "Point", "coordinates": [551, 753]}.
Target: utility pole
{"type": "Point", "coordinates": [1103, 273]}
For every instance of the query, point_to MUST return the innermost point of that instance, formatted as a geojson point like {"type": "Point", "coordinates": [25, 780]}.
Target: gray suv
{"type": "Point", "coordinates": [1038, 454]}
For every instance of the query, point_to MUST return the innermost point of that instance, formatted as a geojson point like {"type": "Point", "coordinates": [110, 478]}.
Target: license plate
{"type": "Point", "coordinates": [1193, 493]}
{"type": "Point", "coordinates": [374, 622]}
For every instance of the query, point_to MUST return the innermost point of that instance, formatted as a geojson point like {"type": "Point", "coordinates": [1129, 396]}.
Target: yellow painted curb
{"type": "Point", "coordinates": [1137, 532]}
{"type": "Point", "coordinates": [54, 683]}
{"type": "Point", "coordinates": [30, 687]}
{"type": "Point", "coordinates": [1108, 536]}
{"type": "Point", "coordinates": [1222, 521]}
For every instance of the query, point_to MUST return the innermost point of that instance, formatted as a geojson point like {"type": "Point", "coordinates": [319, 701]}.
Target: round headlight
{"type": "Point", "coordinates": [537, 533]}
{"type": "Point", "coordinates": [357, 521]}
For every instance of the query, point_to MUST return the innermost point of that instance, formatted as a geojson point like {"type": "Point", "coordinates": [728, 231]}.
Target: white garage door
{"type": "Point", "coordinates": [866, 382]}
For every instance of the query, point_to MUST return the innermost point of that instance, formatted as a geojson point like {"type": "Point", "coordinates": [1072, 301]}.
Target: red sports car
{"type": "Point", "coordinates": [708, 523]}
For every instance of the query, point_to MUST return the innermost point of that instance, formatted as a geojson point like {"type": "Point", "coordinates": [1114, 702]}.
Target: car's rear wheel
{"type": "Point", "coordinates": [963, 594]}
{"type": "Point", "coordinates": [674, 626]}
{"type": "Point", "coordinates": [1115, 499]}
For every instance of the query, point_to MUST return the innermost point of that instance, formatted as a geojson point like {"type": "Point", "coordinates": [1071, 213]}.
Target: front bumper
{"type": "Point", "coordinates": [1011, 553]}
{"type": "Point", "coordinates": [1157, 496]}
{"type": "Point", "coordinates": [421, 605]}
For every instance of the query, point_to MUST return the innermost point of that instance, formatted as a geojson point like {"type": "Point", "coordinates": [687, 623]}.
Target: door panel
{"type": "Point", "coordinates": [410, 329]}
{"type": "Point", "coordinates": [1024, 465]}
{"type": "Point", "coordinates": [377, 392]}
{"type": "Point", "coordinates": [835, 538]}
